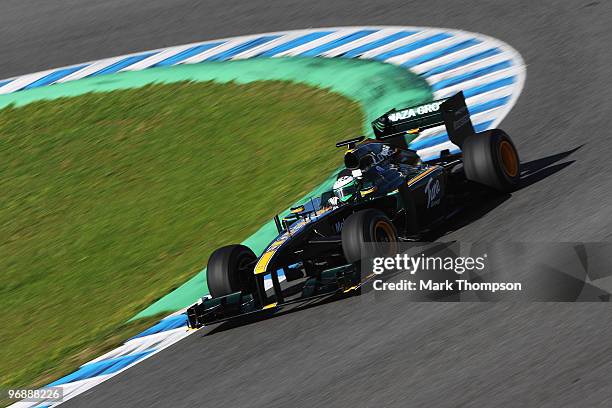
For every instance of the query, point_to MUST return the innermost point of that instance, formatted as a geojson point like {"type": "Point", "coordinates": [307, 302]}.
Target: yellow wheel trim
{"type": "Point", "coordinates": [392, 248]}
{"type": "Point", "coordinates": [385, 226]}
{"type": "Point", "coordinates": [509, 158]}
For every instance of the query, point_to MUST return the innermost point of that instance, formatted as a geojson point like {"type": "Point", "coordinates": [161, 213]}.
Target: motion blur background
{"type": "Point", "coordinates": [358, 352]}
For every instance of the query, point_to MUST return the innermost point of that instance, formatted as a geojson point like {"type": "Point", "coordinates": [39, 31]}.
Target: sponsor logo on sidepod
{"type": "Point", "coordinates": [432, 189]}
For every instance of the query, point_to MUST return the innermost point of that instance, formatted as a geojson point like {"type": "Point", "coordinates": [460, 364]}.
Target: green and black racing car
{"type": "Point", "coordinates": [385, 193]}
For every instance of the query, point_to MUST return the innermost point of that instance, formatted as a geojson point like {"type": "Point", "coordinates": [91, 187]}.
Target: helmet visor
{"type": "Point", "coordinates": [345, 192]}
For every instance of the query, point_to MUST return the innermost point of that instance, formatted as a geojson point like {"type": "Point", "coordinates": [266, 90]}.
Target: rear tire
{"type": "Point", "coordinates": [490, 158]}
{"type": "Point", "coordinates": [230, 269]}
{"type": "Point", "coordinates": [363, 230]}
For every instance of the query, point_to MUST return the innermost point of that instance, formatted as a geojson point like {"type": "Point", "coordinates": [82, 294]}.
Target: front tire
{"type": "Point", "coordinates": [363, 233]}
{"type": "Point", "coordinates": [490, 158]}
{"type": "Point", "coordinates": [230, 269]}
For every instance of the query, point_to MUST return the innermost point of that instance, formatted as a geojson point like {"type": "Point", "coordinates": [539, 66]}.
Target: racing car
{"type": "Point", "coordinates": [384, 194]}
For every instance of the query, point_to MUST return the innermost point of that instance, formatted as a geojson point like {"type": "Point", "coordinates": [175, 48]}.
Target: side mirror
{"type": "Point", "coordinates": [279, 227]}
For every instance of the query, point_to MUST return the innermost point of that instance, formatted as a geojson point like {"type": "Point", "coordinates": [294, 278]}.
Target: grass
{"type": "Point", "coordinates": [108, 201]}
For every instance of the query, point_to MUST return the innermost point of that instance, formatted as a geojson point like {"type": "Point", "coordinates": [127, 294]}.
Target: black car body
{"type": "Point", "coordinates": [398, 197]}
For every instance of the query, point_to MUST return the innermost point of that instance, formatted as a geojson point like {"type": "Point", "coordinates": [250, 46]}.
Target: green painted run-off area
{"type": "Point", "coordinates": [376, 86]}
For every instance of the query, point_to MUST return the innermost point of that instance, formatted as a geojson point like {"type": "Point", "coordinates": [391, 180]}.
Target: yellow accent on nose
{"type": "Point", "coordinates": [276, 245]}
{"type": "Point", "coordinates": [262, 264]}
{"type": "Point", "coordinates": [270, 306]}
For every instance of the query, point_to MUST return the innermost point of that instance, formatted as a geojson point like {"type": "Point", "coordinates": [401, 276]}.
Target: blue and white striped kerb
{"type": "Point", "coordinates": [490, 73]}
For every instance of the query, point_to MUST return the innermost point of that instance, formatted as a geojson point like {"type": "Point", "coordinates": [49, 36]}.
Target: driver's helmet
{"type": "Point", "coordinates": [345, 187]}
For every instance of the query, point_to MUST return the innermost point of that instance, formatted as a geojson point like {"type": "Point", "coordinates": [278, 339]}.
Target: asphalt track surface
{"type": "Point", "coordinates": [361, 352]}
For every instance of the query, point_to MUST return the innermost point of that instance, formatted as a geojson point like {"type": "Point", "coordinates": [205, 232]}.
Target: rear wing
{"type": "Point", "coordinates": [451, 112]}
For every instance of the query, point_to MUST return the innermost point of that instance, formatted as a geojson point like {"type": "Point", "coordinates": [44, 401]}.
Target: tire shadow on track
{"type": "Point", "coordinates": [539, 169]}
{"type": "Point", "coordinates": [531, 172]}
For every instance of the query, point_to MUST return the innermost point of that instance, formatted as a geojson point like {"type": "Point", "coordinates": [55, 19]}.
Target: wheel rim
{"type": "Point", "coordinates": [383, 232]}
{"type": "Point", "coordinates": [386, 241]}
{"type": "Point", "coordinates": [508, 158]}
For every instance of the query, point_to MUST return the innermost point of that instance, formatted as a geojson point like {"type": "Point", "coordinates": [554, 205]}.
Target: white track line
{"type": "Point", "coordinates": [216, 50]}
{"type": "Point", "coordinates": [489, 96]}
{"type": "Point", "coordinates": [152, 341]}
{"type": "Point", "coordinates": [464, 53]}
{"type": "Point", "coordinates": [90, 69]}
{"type": "Point", "coordinates": [419, 35]}
{"type": "Point", "coordinates": [473, 66]}
{"type": "Point", "coordinates": [23, 81]}
{"type": "Point", "coordinates": [154, 59]}
{"type": "Point", "coordinates": [471, 83]}
{"type": "Point", "coordinates": [375, 36]}
{"type": "Point", "coordinates": [438, 45]}
{"type": "Point", "coordinates": [314, 44]}
{"type": "Point", "coordinates": [269, 45]}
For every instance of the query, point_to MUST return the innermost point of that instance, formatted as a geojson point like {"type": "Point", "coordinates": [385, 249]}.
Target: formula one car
{"type": "Point", "coordinates": [385, 194]}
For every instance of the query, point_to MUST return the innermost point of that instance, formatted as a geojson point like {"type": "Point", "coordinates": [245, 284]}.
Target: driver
{"type": "Point", "coordinates": [343, 189]}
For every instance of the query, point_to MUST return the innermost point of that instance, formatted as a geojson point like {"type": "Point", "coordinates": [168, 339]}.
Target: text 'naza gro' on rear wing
{"type": "Point", "coordinates": [451, 112]}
